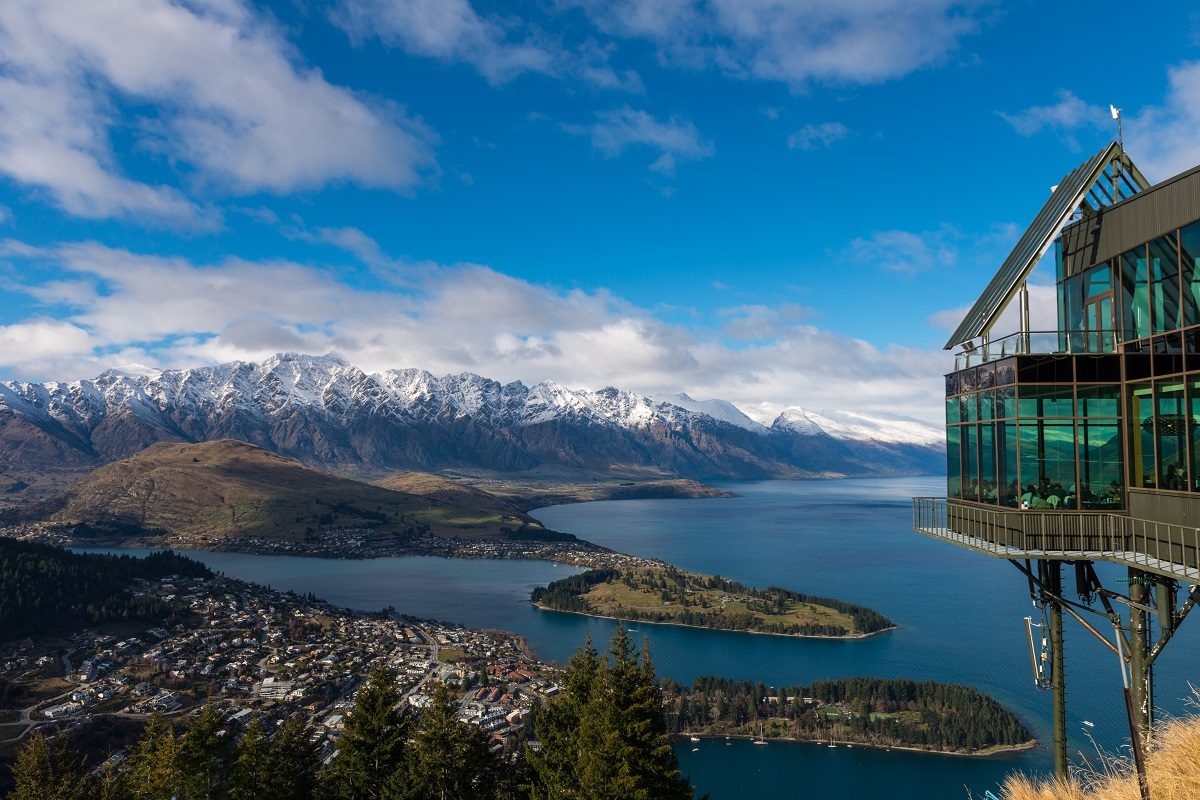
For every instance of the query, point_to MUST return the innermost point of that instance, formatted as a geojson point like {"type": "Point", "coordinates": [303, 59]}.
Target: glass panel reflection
{"type": "Point", "coordinates": [1141, 436]}
{"type": "Point", "coordinates": [1189, 247]}
{"type": "Point", "coordinates": [1170, 436]}
{"type": "Point", "coordinates": [1164, 288]}
{"type": "Point", "coordinates": [1135, 294]}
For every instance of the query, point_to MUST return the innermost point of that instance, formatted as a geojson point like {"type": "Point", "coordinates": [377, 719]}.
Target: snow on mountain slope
{"type": "Point", "coordinates": [722, 410]}
{"type": "Point", "coordinates": [859, 427]}
{"type": "Point", "coordinates": [328, 412]}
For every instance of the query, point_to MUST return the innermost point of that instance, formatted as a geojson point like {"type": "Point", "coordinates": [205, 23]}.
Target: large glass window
{"type": "Point", "coordinates": [953, 462]}
{"type": "Point", "coordinates": [1100, 478]}
{"type": "Point", "coordinates": [1045, 401]}
{"type": "Point", "coordinates": [1164, 287]}
{"type": "Point", "coordinates": [1194, 429]}
{"type": "Point", "coordinates": [1189, 247]}
{"type": "Point", "coordinates": [1006, 402]}
{"type": "Point", "coordinates": [970, 462]}
{"type": "Point", "coordinates": [1098, 401]}
{"type": "Point", "coordinates": [1007, 485]}
{"type": "Point", "coordinates": [987, 464]}
{"type": "Point", "coordinates": [1135, 294]}
{"type": "Point", "coordinates": [952, 417]}
{"type": "Point", "coordinates": [1047, 462]}
{"type": "Point", "coordinates": [1170, 435]}
{"type": "Point", "coordinates": [1141, 436]}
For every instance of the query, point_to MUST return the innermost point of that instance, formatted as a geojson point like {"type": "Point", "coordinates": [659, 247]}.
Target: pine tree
{"type": "Point", "coordinates": [206, 756]}
{"type": "Point", "coordinates": [154, 768]}
{"type": "Point", "coordinates": [372, 745]}
{"type": "Point", "coordinates": [250, 774]}
{"type": "Point", "coordinates": [48, 772]}
{"type": "Point", "coordinates": [293, 763]}
{"type": "Point", "coordinates": [449, 760]}
{"type": "Point", "coordinates": [555, 766]}
{"type": "Point", "coordinates": [606, 737]}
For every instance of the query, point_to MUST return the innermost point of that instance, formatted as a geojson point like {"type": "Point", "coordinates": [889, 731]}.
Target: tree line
{"type": "Point", "coordinates": [604, 737]}
{"type": "Point", "coordinates": [898, 712]}
{"type": "Point", "coordinates": [44, 589]}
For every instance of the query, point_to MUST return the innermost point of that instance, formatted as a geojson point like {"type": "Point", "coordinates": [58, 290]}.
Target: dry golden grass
{"type": "Point", "coordinates": [1172, 769]}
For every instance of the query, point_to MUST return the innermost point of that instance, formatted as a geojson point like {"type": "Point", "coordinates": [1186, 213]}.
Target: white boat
{"type": "Point", "coordinates": [695, 749]}
{"type": "Point", "coordinates": [1089, 723]}
{"type": "Point", "coordinates": [694, 738]}
{"type": "Point", "coordinates": [760, 739]}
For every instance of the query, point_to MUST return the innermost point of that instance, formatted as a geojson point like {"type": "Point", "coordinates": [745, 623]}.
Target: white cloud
{"type": "Point", "coordinates": [230, 103]}
{"type": "Point", "coordinates": [127, 307]}
{"type": "Point", "coordinates": [500, 48]}
{"type": "Point", "coordinates": [824, 134]}
{"type": "Point", "coordinates": [843, 41]}
{"type": "Point", "coordinates": [908, 252]}
{"type": "Point", "coordinates": [1065, 117]}
{"type": "Point", "coordinates": [675, 139]}
{"type": "Point", "coordinates": [1162, 139]}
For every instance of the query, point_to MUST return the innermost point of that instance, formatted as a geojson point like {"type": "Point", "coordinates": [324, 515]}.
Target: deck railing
{"type": "Point", "coordinates": [1171, 550]}
{"type": "Point", "coordinates": [1038, 343]}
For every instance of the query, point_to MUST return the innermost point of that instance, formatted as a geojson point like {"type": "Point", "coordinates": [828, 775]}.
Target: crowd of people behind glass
{"type": "Point", "coordinates": [1048, 494]}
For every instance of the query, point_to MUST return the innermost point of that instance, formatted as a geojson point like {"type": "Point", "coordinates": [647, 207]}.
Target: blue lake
{"type": "Point", "coordinates": [960, 617]}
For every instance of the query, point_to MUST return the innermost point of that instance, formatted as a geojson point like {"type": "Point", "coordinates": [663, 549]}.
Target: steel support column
{"type": "Point", "coordinates": [1058, 675]}
{"type": "Point", "coordinates": [1141, 679]}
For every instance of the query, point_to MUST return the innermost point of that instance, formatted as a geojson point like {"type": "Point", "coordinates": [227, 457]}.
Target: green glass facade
{"type": "Point", "coordinates": [1046, 431]}
{"type": "Point", "coordinates": [1034, 445]}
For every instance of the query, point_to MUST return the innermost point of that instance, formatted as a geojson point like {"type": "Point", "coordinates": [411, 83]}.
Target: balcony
{"type": "Point", "coordinates": [1172, 551]}
{"type": "Point", "coordinates": [1040, 343]}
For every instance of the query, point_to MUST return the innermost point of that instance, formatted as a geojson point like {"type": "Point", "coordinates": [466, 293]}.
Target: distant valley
{"type": "Point", "coordinates": [327, 413]}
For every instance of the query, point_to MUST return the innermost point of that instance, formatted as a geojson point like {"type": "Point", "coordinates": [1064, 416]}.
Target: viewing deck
{"type": "Point", "coordinates": [1172, 551]}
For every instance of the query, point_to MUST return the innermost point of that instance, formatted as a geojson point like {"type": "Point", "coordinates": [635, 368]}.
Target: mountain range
{"type": "Point", "coordinates": [327, 413]}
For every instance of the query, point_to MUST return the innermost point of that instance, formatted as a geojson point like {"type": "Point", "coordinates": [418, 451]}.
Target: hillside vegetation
{"type": "Point", "coordinates": [46, 589]}
{"type": "Point", "coordinates": [203, 493]}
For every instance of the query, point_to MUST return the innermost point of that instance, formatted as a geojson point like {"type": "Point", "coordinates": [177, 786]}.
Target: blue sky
{"type": "Point", "coordinates": [778, 203]}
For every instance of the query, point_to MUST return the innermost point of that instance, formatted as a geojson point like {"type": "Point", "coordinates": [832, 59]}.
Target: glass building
{"type": "Point", "coordinates": [1082, 443]}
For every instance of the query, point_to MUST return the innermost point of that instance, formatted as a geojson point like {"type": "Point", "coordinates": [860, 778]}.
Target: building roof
{"type": "Point", "coordinates": [1106, 178]}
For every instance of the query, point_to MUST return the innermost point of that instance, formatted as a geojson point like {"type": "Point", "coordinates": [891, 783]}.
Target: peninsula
{"type": "Point", "coordinates": [663, 594]}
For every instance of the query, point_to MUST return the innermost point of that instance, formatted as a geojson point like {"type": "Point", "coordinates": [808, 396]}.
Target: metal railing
{"type": "Point", "coordinates": [1039, 343]}
{"type": "Point", "coordinates": [1172, 550]}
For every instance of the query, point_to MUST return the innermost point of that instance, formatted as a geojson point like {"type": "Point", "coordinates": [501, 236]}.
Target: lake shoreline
{"type": "Point", "coordinates": [849, 637]}
{"type": "Point", "coordinates": [996, 750]}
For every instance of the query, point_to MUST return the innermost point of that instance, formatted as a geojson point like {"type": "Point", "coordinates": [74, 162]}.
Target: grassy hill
{"type": "Point", "coordinates": [202, 493]}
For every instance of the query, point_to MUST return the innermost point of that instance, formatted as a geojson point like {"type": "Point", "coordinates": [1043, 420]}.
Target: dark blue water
{"type": "Point", "coordinates": [961, 618]}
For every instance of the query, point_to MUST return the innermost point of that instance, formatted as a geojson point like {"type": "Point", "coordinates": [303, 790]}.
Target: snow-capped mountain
{"type": "Point", "coordinates": [854, 426]}
{"type": "Point", "coordinates": [328, 413]}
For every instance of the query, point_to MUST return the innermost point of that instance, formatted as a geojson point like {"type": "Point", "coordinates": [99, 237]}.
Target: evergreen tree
{"type": "Point", "coordinates": [634, 759]}
{"type": "Point", "coordinates": [154, 768]}
{"type": "Point", "coordinates": [206, 756]}
{"type": "Point", "coordinates": [48, 772]}
{"type": "Point", "coordinates": [559, 727]}
{"type": "Point", "coordinates": [606, 737]}
{"type": "Point", "coordinates": [371, 747]}
{"type": "Point", "coordinates": [293, 763]}
{"type": "Point", "coordinates": [250, 775]}
{"type": "Point", "coordinates": [449, 760]}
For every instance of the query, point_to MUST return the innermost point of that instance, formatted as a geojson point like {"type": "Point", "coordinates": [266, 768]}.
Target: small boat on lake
{"type": "Point", "coordinates": [760, 739]}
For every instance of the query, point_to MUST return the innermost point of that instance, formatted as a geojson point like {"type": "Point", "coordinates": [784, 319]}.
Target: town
{"type": "Point", "coordinates": [255, 651]}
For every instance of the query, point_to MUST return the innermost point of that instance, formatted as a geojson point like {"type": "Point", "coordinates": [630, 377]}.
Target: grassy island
{"type": "Point", "coordinates": [876, 712]}
{"type": "Point", "coordinates": [664, 594]}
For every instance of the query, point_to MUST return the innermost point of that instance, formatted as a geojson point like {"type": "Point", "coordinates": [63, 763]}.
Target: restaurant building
{"type": "Point", "coordinates": [1082, 444]}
